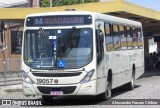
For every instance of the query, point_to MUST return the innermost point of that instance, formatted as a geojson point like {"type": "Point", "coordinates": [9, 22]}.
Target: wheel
{"type": "Point", "coordinates": [107, 94]}
{"type": "Point", "coordinates": [131, 84]}
{"type": "Point", "coordinates": [46, 98]}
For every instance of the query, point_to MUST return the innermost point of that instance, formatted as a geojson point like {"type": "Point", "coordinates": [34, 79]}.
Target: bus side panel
{"type": "Point", "coordinates": [116, 63]}
{"type": "Point", "coordinates": [121, 79]}
{"type": "Point", "coordinates": [137, 58]}
{"type": "Point", "coordinates": [127, 60]}
{"type": "Point", "coordinates": [140, 64]}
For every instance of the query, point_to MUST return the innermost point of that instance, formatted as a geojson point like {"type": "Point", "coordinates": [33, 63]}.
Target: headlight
{"type": "Point", "coordinates": [87, 77]}
{"type": "Point", "coordinates": [26, 78]}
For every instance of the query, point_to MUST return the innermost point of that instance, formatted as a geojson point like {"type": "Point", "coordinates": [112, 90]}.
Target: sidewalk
{"type": "Point", "coordinates": [10, 77]}
{"type": "Point", "coordinates": [13, 82]}
{"type": "Point", "coordinates": [150, 73]}
{"type": "Point", "coordinates": [11, 88]}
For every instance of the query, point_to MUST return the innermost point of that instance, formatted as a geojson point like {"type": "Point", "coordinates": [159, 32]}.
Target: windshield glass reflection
{"type": "Point", "coordinates": [59, 49]}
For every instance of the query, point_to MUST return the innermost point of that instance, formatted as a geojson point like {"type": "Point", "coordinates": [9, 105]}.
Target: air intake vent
{"type": "Point", "coordinates": [56, 74]}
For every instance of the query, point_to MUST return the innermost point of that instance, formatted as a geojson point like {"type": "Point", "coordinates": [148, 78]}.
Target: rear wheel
{"type": "Point", "coordinates": [132, 81]}
{"type": "Point", "coordinates": [131, 84]}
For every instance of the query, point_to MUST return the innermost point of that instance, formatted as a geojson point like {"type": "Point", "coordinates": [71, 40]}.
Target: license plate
{"type": "Point", "coordinates": [56, 93]}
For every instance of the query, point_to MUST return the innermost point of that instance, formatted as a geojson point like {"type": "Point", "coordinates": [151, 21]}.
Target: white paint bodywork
{"type": "Point", "coordinates": [120, 62]}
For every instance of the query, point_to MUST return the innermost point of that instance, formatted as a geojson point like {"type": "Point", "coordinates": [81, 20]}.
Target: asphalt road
{"type": "Point", "coordinates": [146, 87]}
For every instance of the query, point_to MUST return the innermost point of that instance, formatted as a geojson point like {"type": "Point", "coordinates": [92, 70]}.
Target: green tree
{"type": "Point", "coordinates": [46, 3]}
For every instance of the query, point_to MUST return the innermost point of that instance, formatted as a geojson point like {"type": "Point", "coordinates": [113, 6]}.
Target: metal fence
{"type": "Point", "coordinates": [13, 67]}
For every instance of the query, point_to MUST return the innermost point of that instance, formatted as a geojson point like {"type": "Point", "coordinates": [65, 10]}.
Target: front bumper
{"type": "Point", "coordinates": [72, 89]}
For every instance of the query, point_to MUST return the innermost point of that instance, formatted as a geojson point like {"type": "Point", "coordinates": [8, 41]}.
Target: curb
{"type": "Point", "coordinates": [150, 73]}
{"type": "Point", "coordinates": [11, 79]}
{"type": "Point", "coordinates": [11, 88]}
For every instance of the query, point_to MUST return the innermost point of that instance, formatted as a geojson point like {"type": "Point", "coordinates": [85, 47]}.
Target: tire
{"type": "Point", "coordinates": [47, 98]}
{"type": "Point", "coordinates": [107, 94]}
{"type": "Point", "coordinates": [131, 85]}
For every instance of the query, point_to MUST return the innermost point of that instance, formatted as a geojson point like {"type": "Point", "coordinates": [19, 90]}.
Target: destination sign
{"type": "Point", "coordinates": [62, 20]}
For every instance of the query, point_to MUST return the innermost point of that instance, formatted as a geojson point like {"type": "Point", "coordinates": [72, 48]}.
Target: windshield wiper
{"type": "Point", "coordinates": [49, 42]}
{"type": "Point", "coordinates": [44, 35]}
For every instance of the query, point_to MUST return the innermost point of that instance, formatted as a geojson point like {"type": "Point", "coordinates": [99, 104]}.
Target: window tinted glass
{"type": "Point", "coordinates": [135, 37]}
{"type": "Point", "coordinates": [123, 37]}
{"type": "Point", "coordinates": [108, 37]}
{"type": "Point", "coordinates": [116, 38]}
{"type": "Point", "coordinates": [73, 47]}
{"type": "Point", "coordinates": [129, 38]}
{"type": "Point", "coordinates": [140, 39]}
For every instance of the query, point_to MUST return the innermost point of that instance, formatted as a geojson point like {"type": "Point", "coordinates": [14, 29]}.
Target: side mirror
{"type": "Point", "coordinates": [100, 35]}
{"type": "Point", "coordinates": [2, 32]}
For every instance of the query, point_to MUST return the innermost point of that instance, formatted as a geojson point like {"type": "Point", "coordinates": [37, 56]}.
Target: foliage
{"type": "Point", "coordinates": [46, 3]}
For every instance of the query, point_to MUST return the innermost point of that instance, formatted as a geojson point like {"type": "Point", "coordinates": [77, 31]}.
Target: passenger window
{"type": "Point", "coordinates": [135, 37]}
{"type": "Point", "coordinates": [122, 37]}
{"type": "Point", "coordinates": [108, 37]}
{"type": "Point", "coordinates": [140, 39]}
{"type": "Point", "coordinates": [129, 38]}
{"type": "Point", "coordinates": [116, 38]}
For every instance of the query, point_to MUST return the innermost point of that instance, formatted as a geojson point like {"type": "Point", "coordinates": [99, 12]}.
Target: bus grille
{"type": "Point", "coordinates": [66, 90]}
{"type": "Point", "coordinates": [56, 74]}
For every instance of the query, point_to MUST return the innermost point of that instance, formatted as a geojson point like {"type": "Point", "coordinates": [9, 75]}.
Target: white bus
{"type": "Point", "coordinates": [80, 53]}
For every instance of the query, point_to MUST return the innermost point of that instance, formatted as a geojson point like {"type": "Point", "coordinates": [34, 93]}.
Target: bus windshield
{"type": "Point", "coordinates": [59, 49]}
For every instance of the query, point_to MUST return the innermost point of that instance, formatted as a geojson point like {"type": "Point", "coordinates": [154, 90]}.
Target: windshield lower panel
{"type": "Point", "coordinates": [58, 49]}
